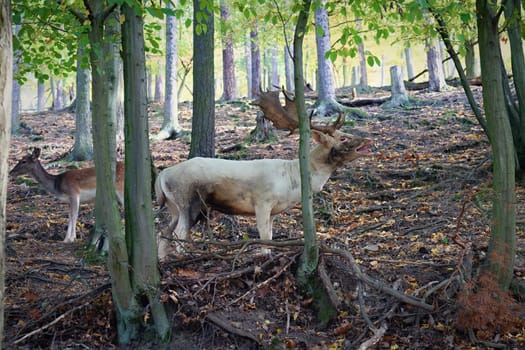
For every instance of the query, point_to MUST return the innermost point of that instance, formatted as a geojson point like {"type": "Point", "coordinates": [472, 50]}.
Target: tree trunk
{"type": "Point", "coordinates": [409, 63]}
{"type": "Point", "coordinates": [228, 64]}
{"type": "Point", "coordinates": [41, 97]}
{"type": "Point", "coordinates": [140, 232]}
{"type": "Point", "coordinates": [326, 103]}
{"type": "Point", "coordinates": [255, 61]}
{"type": "Point", "coordinates": [470, 59]}
{"type": "Point", "coordinates": [274, 71]}
{"type": "Point", "coordinates": [248, 57]}
{"type": "Point", "coordinates": [306, 273]}
{"type": "Point", "coordinates": [363, 75]}
{"type": "Point", "coordinates": [288, 69]}
{"type": "Point", "coordinates": [158, 88]}
{"type": "Point", "coordinates": [6, 78]}
{"type": "Point", "coordinates": [445, 37]}
{"type": "Point", "coordinates": [15, 89]}
{"type": "Point", "coordinates": [104, 70]}
{"type": "Point", "coordinates": [399, 93]}
{"type": "Point", "coordinates": [502, 245]}
{"type": "Point", "coordinates": [436, 76]}
{"type": "Point", "coordinates": [170, 125]}
{"type": "Point", "coordinates": [203, 122]}
{"type": "Point", "coordinates": [514, 20]}
{"type": "Point", "coordinates": [83, 146]}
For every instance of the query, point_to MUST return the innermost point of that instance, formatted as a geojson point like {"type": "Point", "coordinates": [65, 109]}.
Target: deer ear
{"type": "Point", "coordinates": [318, 136]}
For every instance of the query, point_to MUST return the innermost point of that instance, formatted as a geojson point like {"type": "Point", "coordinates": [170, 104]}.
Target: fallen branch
{"type": "Point", "coordinates": [229, 327]}
{"type": "Point", "coordinates": [408, 299]}
{"type": "Point", "coordinates": [56, 320]}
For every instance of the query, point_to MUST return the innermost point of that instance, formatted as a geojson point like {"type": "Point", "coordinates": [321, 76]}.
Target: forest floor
{"type": "Point", "coordinates": [411, 214]}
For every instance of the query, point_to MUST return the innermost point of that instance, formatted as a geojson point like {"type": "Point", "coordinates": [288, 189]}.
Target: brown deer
{"type": "Point", "coordinates": [73, 186]}
{"type": "Point", "coordinates": [262, 188]}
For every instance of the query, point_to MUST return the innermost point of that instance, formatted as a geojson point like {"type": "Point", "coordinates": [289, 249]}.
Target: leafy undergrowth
{"type": "Point", "coordinates": [413, 214]}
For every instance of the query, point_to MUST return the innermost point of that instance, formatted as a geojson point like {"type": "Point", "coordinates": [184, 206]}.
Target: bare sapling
{"type": "Point", "coordinates": [73, 186]}
{"type": "Point", "coordinates": [260, 188]}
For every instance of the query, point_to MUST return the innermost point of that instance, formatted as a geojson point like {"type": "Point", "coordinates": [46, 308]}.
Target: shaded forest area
{"type": "Point", "coordinates": [408, 214]}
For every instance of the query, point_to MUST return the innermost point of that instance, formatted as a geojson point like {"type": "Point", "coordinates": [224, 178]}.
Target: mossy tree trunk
{"type": "Point", "coordinates": [307, 272]}
{"type": "Point", "coordinates": [502, 246]}
{"type": "Point", "coordinates": [6, 81]}
{"type": "Point", "coordinates": [140, 232]}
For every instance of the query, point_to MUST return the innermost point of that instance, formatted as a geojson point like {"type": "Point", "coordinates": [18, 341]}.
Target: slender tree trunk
{"type": "Point", "coordinates": [170, 126]}
{"type": "Point", "coordinates": [203, 122]}
{"type": "Point", "coordinates": [436, 76]}
{"type": "Point", "coordinates": [274, 71]}
{"type": "Point", "coordinates": [470, 59]}
{"type": "Point", "coordinates": [363, 75]}
{"type": "Point", "coordinates": [41, 97]}
{"type": "Point", "coordinates": [513, 16]}
{"type": "Point", "coordinates": [15, 90]}
{"type": "Point", "coordinates": [306, 273]}
{"type": "Point", "coordinates": [288, 69]}
{"type": "Point", "coordinates": [502, 245]}
{"type": "Point", "coordinates": [6, 78]}
{"type": "Point", "coordinates": [83, 146]}
{"type": "Point", "coordinates": [445, 37]}
{"type": "Point", "coordinates": [104, 70]}
{"type": "Point", "coordinates": [158, 88]}
{"type": "Point", "coordinates": [228, 64]}
{"type": "Point", "coordinates": [255, 61]}
{"type": "Point", "coordinates": [248, 57]}
{"type": "Point", "coordinates": [409, 62]}
{"type": "Point", "coordinates": [326, 102]}
{"type": "Point", "coordinates": [140, 232]}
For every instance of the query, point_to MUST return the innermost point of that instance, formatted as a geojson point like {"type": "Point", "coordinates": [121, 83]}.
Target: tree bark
{"type": "Point", "coordinates": [170, 125]}
{"type": "Point", "coordinates": [158, 88]}
{"type": "Point", "coordinates": [6, 79]}
{"type": "Point", "coordinates": [228, 64]}
{"type": "Point", "coordinates": [514, 20]}
{"type": "Point", "coordinates": [502, 245]}
{"type": "Point", "coordinates": [436, 76]}
{"type": "Point", "coordinates": [83, 146]}
{"type": "Point", "coordinates": [306, 273]}
{"type": "Point", "coordinates": [399, 93]}
{"type": "Point", "coordinates": [288, 68]}
{"type": "Point", "coordinates": [409, 63]}
{"type": "Point", "coordinates": [255, 54]}
{"type": "Point", "coordinates": [363, 75]}
{"type": "Point", "coordinates": [41, 97]}
{"type": "Point", "coordinates": [326, 103]}
{"type": "Point", "coordinates": [104, 68]}
{"type": "Point", "coordinates": [15, 89]}
{"type": "Point", "coordinates": [203, 122]}
{"type": "Point", "coordinates": [140, 232]}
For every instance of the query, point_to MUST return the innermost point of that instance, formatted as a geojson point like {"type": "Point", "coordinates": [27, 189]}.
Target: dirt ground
{"type": "Point", "coordinates": [406, 214]}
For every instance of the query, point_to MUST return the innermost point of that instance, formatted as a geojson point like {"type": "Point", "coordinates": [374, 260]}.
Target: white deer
{"type": "Point", "coordinates": [263, 187]}
{"type": "Point", "coordinates": [73, 186]}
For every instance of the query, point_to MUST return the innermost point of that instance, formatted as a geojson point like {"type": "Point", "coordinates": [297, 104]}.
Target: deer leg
{"type": "Point", "coordinates": [74, 205]}
{"type": "Point", "coordinates": [264, 224]}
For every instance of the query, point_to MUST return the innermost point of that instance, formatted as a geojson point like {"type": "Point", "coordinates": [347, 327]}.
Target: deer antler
{"type": "Point", "coordinates": [281, 117]}
{"type": "Point", "coordinates": [329, 129]}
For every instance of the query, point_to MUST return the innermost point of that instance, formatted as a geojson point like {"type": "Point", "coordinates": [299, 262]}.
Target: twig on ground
{"type": "Point", "coordinates": [378, 334]}
{"type": "Point", "coordinates": [265, 282]}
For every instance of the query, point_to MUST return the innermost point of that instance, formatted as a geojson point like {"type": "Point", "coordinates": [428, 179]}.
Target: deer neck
{"type": "Point", "coordinates": [50, 182]}
{"type": "Point", "coordinates": [321, 168]}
